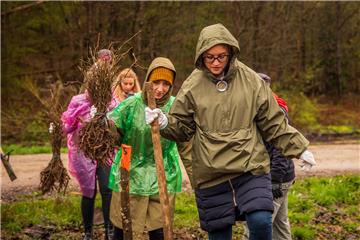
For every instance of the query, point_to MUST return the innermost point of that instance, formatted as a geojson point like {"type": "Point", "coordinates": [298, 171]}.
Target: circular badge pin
{"type": "Point", "coordinates": [221, 86]}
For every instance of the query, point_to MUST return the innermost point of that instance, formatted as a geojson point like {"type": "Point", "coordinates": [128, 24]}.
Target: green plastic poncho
{"type": "Point", "coordinates": [129, 118]}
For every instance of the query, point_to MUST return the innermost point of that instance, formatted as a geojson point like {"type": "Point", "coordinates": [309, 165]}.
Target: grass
{"type": "Point", "coordinates": [305, 232]}
{"type": "Point", "coordinates": [319, 208]}
{"type": "Point", "coordinates": [185, 210]}
{"type": "Point", "coordinates": [325, 207]}
{"type": "Point", "coordinates": [17, 149]}
{"type": "Point", "coordinates": [37, 210]}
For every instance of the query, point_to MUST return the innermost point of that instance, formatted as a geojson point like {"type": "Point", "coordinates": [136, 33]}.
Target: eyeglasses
{"type": "Point", "coordinates": [221, 58]}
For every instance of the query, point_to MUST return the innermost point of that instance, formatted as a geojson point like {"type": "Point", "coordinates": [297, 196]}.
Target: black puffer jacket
{"type": "Point", "coordinates": [220, 206]}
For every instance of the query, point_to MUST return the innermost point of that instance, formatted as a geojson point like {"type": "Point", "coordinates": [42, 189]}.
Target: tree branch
{"type": "Point", "coordinates": [22, 7]}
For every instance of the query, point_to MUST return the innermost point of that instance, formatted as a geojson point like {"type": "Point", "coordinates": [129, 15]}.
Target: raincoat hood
{"type": "Point", "coordinates": [159, 62]}
{"type": "Point", "coordinates": [213, 35]}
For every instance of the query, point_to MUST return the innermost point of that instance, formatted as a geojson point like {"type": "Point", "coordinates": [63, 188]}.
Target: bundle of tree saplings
{"type": "Point", "coordinates": [53, 102]}
{"type": "Point", "coordinates": [55, 176]}
{"type": "Point", "coordinates": [96, 139]}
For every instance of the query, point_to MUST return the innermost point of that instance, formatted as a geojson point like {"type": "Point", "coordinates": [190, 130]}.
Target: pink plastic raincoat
{"type": "Point", "coordinates": [80, 167]}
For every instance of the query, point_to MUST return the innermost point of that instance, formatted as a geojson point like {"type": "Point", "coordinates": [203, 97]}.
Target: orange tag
{"type": "Point", "coordinates": [125, 157]}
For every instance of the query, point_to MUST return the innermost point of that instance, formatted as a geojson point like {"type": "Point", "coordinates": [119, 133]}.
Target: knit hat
{"type": "Point", "coordinates": [162, 73]}
{"type": "Point", "coordinates": [265, 78]}
{"type": "Point", "coordinates": [104, 54]}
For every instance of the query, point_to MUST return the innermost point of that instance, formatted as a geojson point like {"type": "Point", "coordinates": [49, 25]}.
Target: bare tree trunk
{"type": "Point", "coordinates": [301, 40]}
{"type": "Point", "coordinates": [89, 22]}
{"type": "Point", "coordinates": [337, 52]}
{"type": "Point", "coordinates": [255, 16]}
{"type": "Point", "coordinates": [139, 23]}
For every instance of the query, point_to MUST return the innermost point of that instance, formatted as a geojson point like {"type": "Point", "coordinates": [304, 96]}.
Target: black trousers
{"type": "Point", "coordinates": [157, 234]}
{"type": "Point", "coordinates": [87, 204]}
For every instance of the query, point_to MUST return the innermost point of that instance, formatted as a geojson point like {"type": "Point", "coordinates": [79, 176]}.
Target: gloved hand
{"type": "Point", "coordinates": [307, 160]}
{"type": "Point", "coordinates": [93, 111]}
{"type": "Point", "coordinates": [51, 127]}
{"type": "Point", "coordinates": [277, 191]}
{"type": "Point", "coordinates": [152, 114]}
{"type": "Point", "coordinates": [163, 121]}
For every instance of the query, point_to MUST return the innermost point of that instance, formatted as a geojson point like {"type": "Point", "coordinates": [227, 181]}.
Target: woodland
{"type": "Point", "coordinates": [311, 50]}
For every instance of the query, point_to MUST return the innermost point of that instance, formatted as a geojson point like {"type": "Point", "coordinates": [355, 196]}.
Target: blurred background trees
{"type": "Point", "coordinates": [311, 50]}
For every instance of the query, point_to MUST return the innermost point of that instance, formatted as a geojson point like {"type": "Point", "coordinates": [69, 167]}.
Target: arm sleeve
{"type": "Point", "coordinates": [181, 126]}
{"type": "Point", "coordinates": [118, 116]}
{"type": "Point", "coordinates": [274, 127]}
{"type": "Point", "coordinates": [77, 110]}
{"type": "Point", "coordinates": [279, 164]}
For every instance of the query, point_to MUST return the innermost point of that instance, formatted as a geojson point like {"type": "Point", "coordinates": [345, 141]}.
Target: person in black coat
{"type": "Point", "coordinates": [282, 177]}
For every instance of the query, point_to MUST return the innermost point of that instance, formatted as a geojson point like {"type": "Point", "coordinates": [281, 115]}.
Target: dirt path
{"type": "Point", "coordinates": [332, 159]}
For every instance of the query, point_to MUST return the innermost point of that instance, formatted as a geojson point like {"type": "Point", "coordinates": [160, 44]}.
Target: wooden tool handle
{"type": "Point", "coordinates": [5, 160]}
{"type": "Point", "coordinates": [164, 198]}
{"type": "Point", "coordinates": [125, 197]}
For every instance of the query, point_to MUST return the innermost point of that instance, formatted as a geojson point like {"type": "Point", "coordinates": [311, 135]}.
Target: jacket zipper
{"type": "Point", "coordinates": [233, 192]}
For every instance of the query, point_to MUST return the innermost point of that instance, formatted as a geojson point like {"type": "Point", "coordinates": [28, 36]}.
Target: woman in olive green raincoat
{"type": "Point", "coordinates": [129, 118]}
{"type": "Point", "coordinates": [228, 111]}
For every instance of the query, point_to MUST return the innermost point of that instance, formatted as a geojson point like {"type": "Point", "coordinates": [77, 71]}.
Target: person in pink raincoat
{"type": "Point", "coordinates": [85, 171]}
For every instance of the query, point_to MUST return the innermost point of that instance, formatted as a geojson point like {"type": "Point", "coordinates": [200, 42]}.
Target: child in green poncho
{"type": "Point", "coordinates": [129, 119]}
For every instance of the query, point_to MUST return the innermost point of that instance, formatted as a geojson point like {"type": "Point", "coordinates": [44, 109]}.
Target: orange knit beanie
{"type": "Point", "coordinates": [162, 73]}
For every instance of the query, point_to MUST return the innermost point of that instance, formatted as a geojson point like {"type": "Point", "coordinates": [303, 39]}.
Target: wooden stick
{"type": "Point", "coordinates": [5, 160]}
{"type": "Point", "coordinates": [164, 198]}
{"type": "Point", "coordinates": [125, 197]}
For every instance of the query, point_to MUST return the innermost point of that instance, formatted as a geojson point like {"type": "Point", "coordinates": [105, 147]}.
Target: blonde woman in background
{"type": "Point", "coordinates": [126, 85]}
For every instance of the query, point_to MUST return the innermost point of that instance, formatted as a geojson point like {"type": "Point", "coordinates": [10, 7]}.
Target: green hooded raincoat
{"type": "Point", "coordinates": [129, 118]}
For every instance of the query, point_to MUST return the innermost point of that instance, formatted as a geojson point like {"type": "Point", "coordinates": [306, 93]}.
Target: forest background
{"type": "Point", "coordinates": [311, 50]}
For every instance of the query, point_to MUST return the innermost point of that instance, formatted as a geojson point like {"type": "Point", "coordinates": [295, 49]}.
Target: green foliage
{"type": "Point", "coordinates": [309, 116]}
{"type": "Point", "coordinates": [298, 217]}
{"type": "Point", "coordinates": [305, 54]}
{"type": "Point", "coordinates": [351, 227]}
{"type": "Point", "coordinates": [337, 190]}
{"type": "Point", "coordinates": [57, 212]}
{"type": "Point", "coordinates": [315, 203]}
{"type": "Point", "coordinates": [338, 129]}
{"type": "Point", "coordinates": [36, 130]}
{"type": "Point", "coordinates": [28, 149]}
{"type": "Point", "coordinates": [302, 111]}
{"type": "Point", "coordinates": [352, 211]}
{"type": "Point", "coordinates": [29, 129]}
{"type": "Point", "coordinates": [299, 200]}
{"type": "Point", "coordinates": [303, 233]}
{"type": "Point", "coordinates": [325, 192]}
{"type": "Point", "coordinates": [185, 210]}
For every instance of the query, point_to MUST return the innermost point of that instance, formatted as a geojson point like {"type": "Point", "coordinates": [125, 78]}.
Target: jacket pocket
{"type": "Point", "coordinates": [225, 150]}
